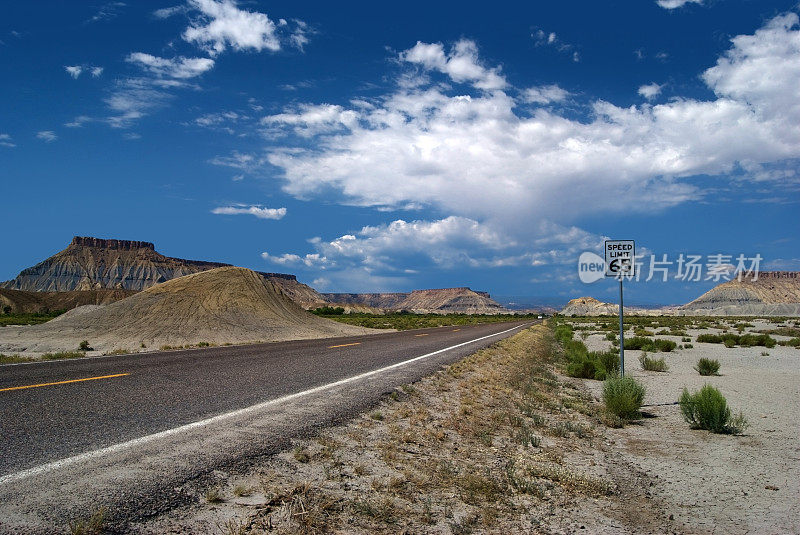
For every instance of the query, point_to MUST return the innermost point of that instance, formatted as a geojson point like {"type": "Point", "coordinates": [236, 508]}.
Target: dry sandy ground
{"type": "Point", "coordinates": [721, 483]}
{"type": "Point", "coordinates": [446, 456]}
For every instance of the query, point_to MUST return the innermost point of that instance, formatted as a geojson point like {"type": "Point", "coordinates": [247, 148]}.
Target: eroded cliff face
{"type": "Point", "coordinates": [95, 263]}
{"type": "Point", "coordinates": [769, 288]}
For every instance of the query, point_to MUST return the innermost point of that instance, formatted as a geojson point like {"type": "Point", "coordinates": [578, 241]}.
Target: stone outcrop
{"type": "Point", "coordinates": [589, 306]}
{"type": "Point", "coordinates": [769, 293]}
{"type": "Point", "coordinates": [95, 263]}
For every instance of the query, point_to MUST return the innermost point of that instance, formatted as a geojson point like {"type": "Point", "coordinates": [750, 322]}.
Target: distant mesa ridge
{"type": "Point", "coordinates": [90, 263]}
{"type": "Point", "coordinates": [767, 293]}
{"type": "Point", "coordinates": [126, 245]}
{"type": "Point", "coordinates": [90, 267]}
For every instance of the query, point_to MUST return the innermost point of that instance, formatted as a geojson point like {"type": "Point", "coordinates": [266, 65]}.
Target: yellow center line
{"type": "Point", "coordinates": [64, 382]}
{"type": "Point", "coordinates": [424, 334]}
{"type": "Point", "coordinates": [456, 330]}
{"type": "Point", "coordinates": [345, 345]}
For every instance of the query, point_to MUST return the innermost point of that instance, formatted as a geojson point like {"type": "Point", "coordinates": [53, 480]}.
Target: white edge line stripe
{"type": "Point", "coordinates": [24, 474]}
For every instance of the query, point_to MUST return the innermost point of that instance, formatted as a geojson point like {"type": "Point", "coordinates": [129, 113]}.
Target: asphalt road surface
{"type": "Point", "coordinates": [63, 422]}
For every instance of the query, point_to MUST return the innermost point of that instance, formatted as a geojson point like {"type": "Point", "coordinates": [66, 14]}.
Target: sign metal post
{"type": "Point", "coordinates": [620, 262]}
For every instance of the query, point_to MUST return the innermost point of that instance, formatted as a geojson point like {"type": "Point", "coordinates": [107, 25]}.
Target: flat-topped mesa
{"type": "Point", "coordinates": [90, 263]}
{"type": "Point", "coordinates": [102, 243]}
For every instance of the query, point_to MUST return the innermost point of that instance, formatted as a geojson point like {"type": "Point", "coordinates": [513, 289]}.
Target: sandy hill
{"type": "Point", "coordinates": [451, 301]}
{"type": "Point", "coordinates": [438, 301]}
{"type": "Point", "coordinates": [223, 305]}
{"type": "Point", "coordinates": [24, 301]}
{"type": "Point", "coordinates": [589, 306]}
{"type": "Point", "coordinates": [771, 293]}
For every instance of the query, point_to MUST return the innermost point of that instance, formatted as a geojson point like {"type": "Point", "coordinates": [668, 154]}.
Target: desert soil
{"type": "Point", "coordinates": [450, 454]}
{"type": "Point", "coordinates": [721, 483]}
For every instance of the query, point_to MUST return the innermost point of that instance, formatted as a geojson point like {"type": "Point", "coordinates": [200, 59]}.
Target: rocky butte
{"type": "Point", "coordinates": [89, 269]}
{"type": "Point", "coordinates": [95, 263]}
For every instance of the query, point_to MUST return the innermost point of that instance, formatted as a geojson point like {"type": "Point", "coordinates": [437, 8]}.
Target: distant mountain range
{"type": "Point", "coordinates": [770, 293]}
{"type": "Point", "coordinates": [89, 269]}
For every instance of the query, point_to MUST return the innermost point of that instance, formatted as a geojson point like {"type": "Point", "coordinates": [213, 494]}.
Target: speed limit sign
{"type": "Point", "coordinates": [620, 258]}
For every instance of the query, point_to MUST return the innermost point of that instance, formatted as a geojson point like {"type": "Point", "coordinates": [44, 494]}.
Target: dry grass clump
{"type": "Point", "coordinates": [479, 446]}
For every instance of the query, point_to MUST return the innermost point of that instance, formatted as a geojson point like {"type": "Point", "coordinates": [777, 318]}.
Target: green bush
{"type": "Point", "coordinates": [743, 340]}
{"type": "Point", "coordinates": [590, 365]}
{"type": "Point", "coordinates": [794, 342]}
{"type": "Point", "coordinates": [664, 345]}
{"type": "Point", "coordinates": [652, 364]}
{"type": "Point", "coordinates": [84, 346]}
{"type": "Point", "coordinates": [707, 366]}
{"type": "Point", "coordinates": [563, 333]}
{"type": "Point", "coordinates": [648, 344]}
{"type": "Point", "coordinates": [623, 397]}
{"type": "Point", "coordinates": [708, 409]}
{"type": "Point", "coordinates": [638, 342]}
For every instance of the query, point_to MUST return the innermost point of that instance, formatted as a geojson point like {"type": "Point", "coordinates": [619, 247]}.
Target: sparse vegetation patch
{"type": "Point", "coordinates": [708, 409]}
{"type": "Point", "coordinates": [623, 397]}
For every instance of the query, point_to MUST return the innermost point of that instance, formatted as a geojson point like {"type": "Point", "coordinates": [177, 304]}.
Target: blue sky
{"type": "Point", "coordinates": [380, 146]}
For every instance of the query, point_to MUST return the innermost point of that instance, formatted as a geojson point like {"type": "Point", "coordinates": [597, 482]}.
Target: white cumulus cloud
{"type": "Point", "coordinates": [545, 94]}
{"type": "Point", "coordinates": [478, 156]}
{"type": "Point", "coordinates": [461, 64]}
{"type": "Point", "coordinates": [650, 91]}
{"type": "Point", "coordinates": [222, 24]}
{"type": "Point", "coordinates": [179, 67]}
{"type": "Point", "coordinates": [257, 211]}
{"type": "Point", "coordinates": [73, 70]}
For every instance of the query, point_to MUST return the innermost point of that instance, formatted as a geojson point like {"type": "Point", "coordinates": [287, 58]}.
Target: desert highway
{"type": "Point", "coordinates": [57, 414]}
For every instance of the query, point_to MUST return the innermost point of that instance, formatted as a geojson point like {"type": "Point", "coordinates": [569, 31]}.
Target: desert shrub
{"type": "Point", "coordinates": [664, 345]}
{"type": "Point", "coordinates": [592, 365]}
{"type": "Point", "coordinates": [794, 342]}
{"type": "Point", "coordinates": [744, 340]}
{"type": "Point", "coordinates": [563, 333]}
{"type": "Point", "coordinates": [611, 337]}
{"type": "Point", "coordinates": [582, 366]}
{"type": "Point", "coordinates": [84, 346]}
{"type": "Point", "coordinates": [652, 364]}
{"type": "Point", "coordinates": [688, 346]}
{"type": "Point", "coordinates": [686, 339]}
{"type": "Point", "coordinates": [638, 342]}
{"type": "Point", "coordinates": [648, 344]}
{"type": "Point", "coordinates": [707, 366]}
{"type": "Point", "coordinates": [708, 409]}
{"type": "Point", "coordinates": [643, 332]}
{"type": "Point", "coordinates": [609, 360]}
{"type": "Point", "coordinates": [623, 396]}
